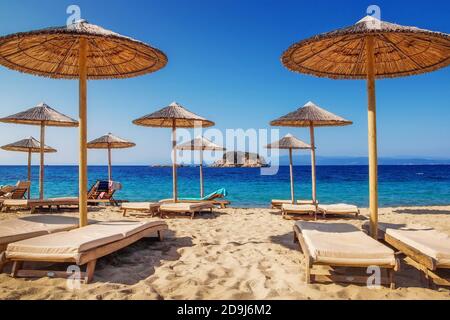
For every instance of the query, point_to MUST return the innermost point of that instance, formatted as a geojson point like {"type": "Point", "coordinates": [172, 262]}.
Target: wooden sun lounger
{"type": "Point", "coordinates": [338, 209]}
{"type": "Point", "coordinates": [185, 207]}
{"type": "Point", "coordinates": [33, 205]}
{"type": "Point", "coordinates": [222, 203]}
{"type": "Point", "coordinates": [298, 209]}
{"type": "Point", "coordinates": [29, 227]}
{"type": "Point", "coordinates": [145, 207]}
{"type": "Point", "coordinates": [342, 245]}
{"type": "Point", "coordinates": [277, 203]}
{"type": "Point", "coordinates": [82, 246]}
{"type": "Point", "coordinates": [15, 192]}
{"type": "Point", "coordinates": [426, 249]}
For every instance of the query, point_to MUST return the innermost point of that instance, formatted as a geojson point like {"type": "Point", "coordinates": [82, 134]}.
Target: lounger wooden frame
{"type": "Point", "coordinates": [152, 210]}
{"type": "Point", "coordinates": [428, 265]}
{"type": "Point", "coordinates": [312, 275]}
{"type": "Point", "coordinates": [88, 258]}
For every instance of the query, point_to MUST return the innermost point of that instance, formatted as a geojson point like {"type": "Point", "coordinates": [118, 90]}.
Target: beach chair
{"type": "Point", "coordinates": [309, 209]}
{"type": "Point", "coordinates": [185, 207]}
{"type": "Point", "coordinates": [338, 209]}
{"type": "Point", "coordinates": [15, 192]}
{"type": "Point", "coordinates": [144, 207]}
{"type": "Point", "coordinates": [29, 227]}
{"type": "Point", "coordinates": [426, 249]}
{"type": "Point", "coordinates": [342, 245]}
{"type": "Point", "coordinates": [215, 197]}
{"type": "Point", "coordinates": [276, 203]}
{"type": "Point", "coordinates": [82, 246]}
{"type": "Point", "coordinates": [103, 191]}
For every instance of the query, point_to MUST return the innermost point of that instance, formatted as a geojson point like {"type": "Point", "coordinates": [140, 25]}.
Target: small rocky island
{"type": "Point", "coordinates": [239, 159]}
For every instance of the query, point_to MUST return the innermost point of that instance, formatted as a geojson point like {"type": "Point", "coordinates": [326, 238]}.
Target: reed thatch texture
{"type": "Point", "coordinates": [399, 51]}
{"type": "Point", "coordinates": [174, 114]}
{"type": "Point", "coordinates": [289, 142]}
{"type": "Point", "coordinates": [310, 114]}
{"type": "Point", "coordinates": [42, 114]}
{"type": "Point", "coordinates": [110, 141]}
{"type": "Point", "coordinates": [54, 52]}
{"type": "Point", "coordinates": [200, 143]}
{"type": "Point", "coordinates": [27, 145]}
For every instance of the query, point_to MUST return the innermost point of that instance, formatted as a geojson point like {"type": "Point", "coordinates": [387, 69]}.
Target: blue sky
{"type": "Point", "coordinates": [224, 64]}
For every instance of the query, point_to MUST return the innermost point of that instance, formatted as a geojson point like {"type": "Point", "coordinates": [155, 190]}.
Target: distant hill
{"type": "Point", "coordinates": [348, 161]}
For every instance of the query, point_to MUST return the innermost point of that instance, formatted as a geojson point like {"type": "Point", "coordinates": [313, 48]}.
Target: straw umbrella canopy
{"type": "Point", "coordinates": [289, 142]}
{"type": "Point", "coordinates": [44, 116]}
{"type": "Point", "coordinates": [368, 50]}
{"type": "Point", "coordinates": [110, 141]}
{"type": "Point", "coordinates": [29, 145]}
{"type": "Point", "coordinates": [201, 144]}
{"type": "Point", "coordinates": [173, 116]}
{"type": "Point", "coordinates": [79, 51]}
{"type": "Point", "coordinates": [310, 116]}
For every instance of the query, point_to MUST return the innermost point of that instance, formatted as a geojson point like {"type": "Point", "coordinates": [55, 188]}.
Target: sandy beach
{"type": "Point", "coordinates": [231, 254]}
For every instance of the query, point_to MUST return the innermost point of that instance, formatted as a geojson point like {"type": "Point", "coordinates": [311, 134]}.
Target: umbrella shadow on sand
{"type": "Point", "coordinates": [422, 211]}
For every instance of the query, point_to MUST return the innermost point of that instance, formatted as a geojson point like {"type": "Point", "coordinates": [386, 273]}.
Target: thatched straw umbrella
{"type": "Point", "coordinates": [289, 142]}
{"type": "Point", "coordinates": [79, 51]}
{"type": "Point", "coordinates": [173, 116]}
{"type": "Point", "coordinates": [201, 144]}
{"type": "Point", "coordinates": [29, 145]}
{"type": "Point", "coordinates": [310, 116]}
{"type": "Point", "coordinates": [44, 116]}
{"type": "Point", "coordinates": [368, 50]}
{"type": "Point", "coordinates": [110, 141]}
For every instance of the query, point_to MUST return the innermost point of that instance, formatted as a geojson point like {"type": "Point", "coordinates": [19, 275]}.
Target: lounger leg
{"type": "Point", "coordinates": [90, 269]}
{"type": "Point", "coordinates": [2, 261]}
{"type": "Point", "coordinates": [391, 276]}
{"type": "Point", "coordinates": [17, 265]}
{"type": "Point", "coordinates": [295, 238]}
{"type": "Point", "coordinates": [124, 213]}
{"type": "Point", "coordinates": [160, 235]}
{"type": "Point", "coordinates": [192, 215]}
{"type": "Point", "coordinates": [308, 271]}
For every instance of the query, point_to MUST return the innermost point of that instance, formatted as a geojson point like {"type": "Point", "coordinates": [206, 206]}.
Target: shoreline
{"type": "Point", "coordinates": [236, 254]}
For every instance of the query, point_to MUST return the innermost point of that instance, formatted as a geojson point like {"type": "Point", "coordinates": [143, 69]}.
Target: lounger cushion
{"type": "Point", "coordinates": [69, 245]}
{"type": "Point", "coordinates": [33, 226]}
{"type": "Point", "coordinates": [139, 205]}
{"type": "Point", "coordinates": [307, 208]}
{"type": "Point", "coordinates": [338, 208]}
{"type": "Point", "coordinates": [185, 206]}
{"type": "Point", "coordinates": [345, 244]}
{"type": "Point", "coordinates": [279, 202]}
{"type": "Point", "coordinates": [15, 203]}
{"type": "Point", "coordinates": [430, 242]}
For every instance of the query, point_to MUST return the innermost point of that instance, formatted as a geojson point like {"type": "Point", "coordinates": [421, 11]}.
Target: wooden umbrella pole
{"type": "Point", "coordinates": [372, 135]}
{"type": "Point", "coordinates": [83, 132]}
{"type": "Point", "coordinates": [291, 173]}
{"type": "Point", "coordinates": [41, 168]}
{"type": "Point", "coordinates": [313, 163]}
{"type": "Point", "coordinates": [29, 173]}
{"type": "Point", "coordinates": [174, 161]}
{"type": "Point", "coordinates": [109, 164]}
{"type": "Point", "coordinates": [202, 189]}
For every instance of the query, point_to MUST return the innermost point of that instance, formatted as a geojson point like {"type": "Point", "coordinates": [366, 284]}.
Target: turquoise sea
{"type": "Point", "coordinates": [398, 185]}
